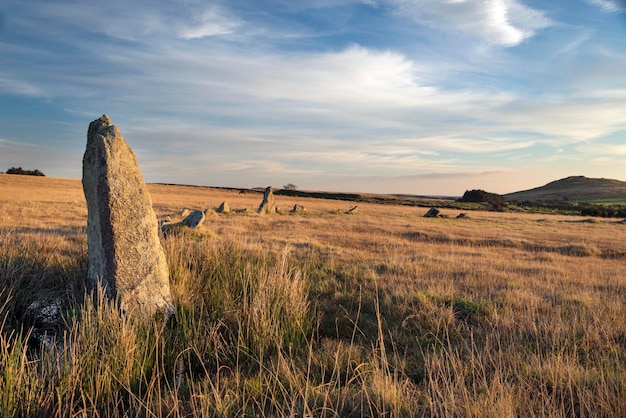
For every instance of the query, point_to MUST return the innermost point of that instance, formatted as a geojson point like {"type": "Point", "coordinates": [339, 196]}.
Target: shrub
{"type": "Point", "coordinates": [20, 170]}
{"type": "Point", "coordinates": [479, 196]}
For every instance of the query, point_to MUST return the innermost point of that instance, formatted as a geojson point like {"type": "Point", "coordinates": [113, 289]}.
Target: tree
{"type": "Point", "coordinates": [290, 186]}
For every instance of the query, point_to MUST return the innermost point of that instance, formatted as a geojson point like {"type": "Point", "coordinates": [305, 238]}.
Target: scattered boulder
{"type": "Point", "coordinates": [297, 209]}
{"type": "Point", "coordinates": [194, 219]}
{"type": "Point", "coordinates": [47, 321]}
{"type": "Point", "coordinates": [125, 255]}
{"type": "Point", "coordinates": [462, 216]}
{"type": "Point", "coordinates": [353, 210]}
{"type": "Point", "coordinates": [224, 208]}
{"type": "Point", "coordinates": [432, 213]}
{"type": "Point", "coordinates": [267, 205]}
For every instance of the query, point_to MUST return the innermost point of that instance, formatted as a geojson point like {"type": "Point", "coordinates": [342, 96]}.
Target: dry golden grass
{"type": "Point", "coordinates": [378, 313]}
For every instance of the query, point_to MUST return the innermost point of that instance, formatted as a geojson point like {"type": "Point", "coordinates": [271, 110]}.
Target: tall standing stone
{"type": "Point", "coordinates": [267, 205]}
{"type": "Point", "coordinates": [125, 254]}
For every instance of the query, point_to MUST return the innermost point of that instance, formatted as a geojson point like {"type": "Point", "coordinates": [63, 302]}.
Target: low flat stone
{"type": "Point", "coordinates": [298, 208]}
{"type": "Point", "coordinates": [194, 219]}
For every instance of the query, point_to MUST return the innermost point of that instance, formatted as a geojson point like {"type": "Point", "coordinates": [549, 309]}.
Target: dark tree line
{"type": "Point", "coordinates": [20, 170]}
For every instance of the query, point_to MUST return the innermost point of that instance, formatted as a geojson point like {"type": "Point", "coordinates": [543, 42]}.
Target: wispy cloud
{"type": "Point", "coordinates": [603, 150]}
{"type": "Point", "coordinates": [211, 22]}
{"type": "Point", "coordinates": [608, 6]}
{"type": "Point", "coordinates": [13, 85]}
{"type": "Point", "coordinates": [495, 22]}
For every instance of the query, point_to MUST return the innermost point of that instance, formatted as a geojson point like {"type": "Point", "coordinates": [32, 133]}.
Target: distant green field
{"type": "Point", "coordinates": [611, 201]}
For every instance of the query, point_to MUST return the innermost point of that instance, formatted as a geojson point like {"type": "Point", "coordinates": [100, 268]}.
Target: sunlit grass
{"type": "Point", "coordinates": [382, 313]}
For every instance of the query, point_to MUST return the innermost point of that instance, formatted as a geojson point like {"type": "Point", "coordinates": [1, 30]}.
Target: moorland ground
{"type": "Point", "coordinates": [379, 313]}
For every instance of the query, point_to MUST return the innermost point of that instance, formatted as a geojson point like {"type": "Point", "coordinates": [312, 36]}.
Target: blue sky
{"type": "Point", "coordinates": [391, 96]}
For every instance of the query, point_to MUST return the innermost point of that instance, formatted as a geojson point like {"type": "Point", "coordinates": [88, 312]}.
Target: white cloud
{"type": "Point", "coordinates": [571, 119]}
{"type": "Point", "coordinates": [213, 21]}
{"type": "Point", "coordinates": [495, 22]}
{"type": "Point", "coordinates": [608, 6]}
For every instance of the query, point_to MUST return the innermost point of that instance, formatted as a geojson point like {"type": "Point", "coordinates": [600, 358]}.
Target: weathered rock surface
{"type": "Point", "coordinates": [432, 213]}
{"type": "Point", "coordinates": [194, 219]}
{"type": "Point", "coordinates": [224, 208]}
{"type": "Point", "coordinates": [267, 205]}
{"type": "Point", "coordinates": [125, 254]}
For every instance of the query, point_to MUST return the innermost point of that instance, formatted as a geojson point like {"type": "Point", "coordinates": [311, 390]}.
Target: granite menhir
{"type": "Point", "coordinates": [125, 255]}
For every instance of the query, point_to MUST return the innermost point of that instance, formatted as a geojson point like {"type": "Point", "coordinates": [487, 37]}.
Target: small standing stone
{"type": "Point", "coordinates": [224, 208]}
{"type": "Point", "coordinates": [125, 254]}
{"type": "Point", "coordinates": [432, 213]}
{"type": "Point", "coordinates": [267, 205]}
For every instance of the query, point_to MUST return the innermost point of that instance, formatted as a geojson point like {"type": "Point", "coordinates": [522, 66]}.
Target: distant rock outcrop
{"type": "Point", "coordinates": [125, 254]}
{"type": "Point", "coordinates": [432, 213]}
{"type": "Point", "coordinates": [267, 205]}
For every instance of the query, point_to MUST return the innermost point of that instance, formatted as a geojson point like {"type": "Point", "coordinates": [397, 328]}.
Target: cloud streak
{"type": "Point", "coordinates": [496, 22]}
{"type": "Point", "coordinates": [608, 6]}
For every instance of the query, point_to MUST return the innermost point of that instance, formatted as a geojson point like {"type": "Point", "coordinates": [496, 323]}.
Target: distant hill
{"type": "Point", "coordinates": [574, 189]}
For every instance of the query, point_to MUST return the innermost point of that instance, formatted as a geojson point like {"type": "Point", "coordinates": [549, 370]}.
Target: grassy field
{"type": "Point", "coordinates": [378, 313]}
